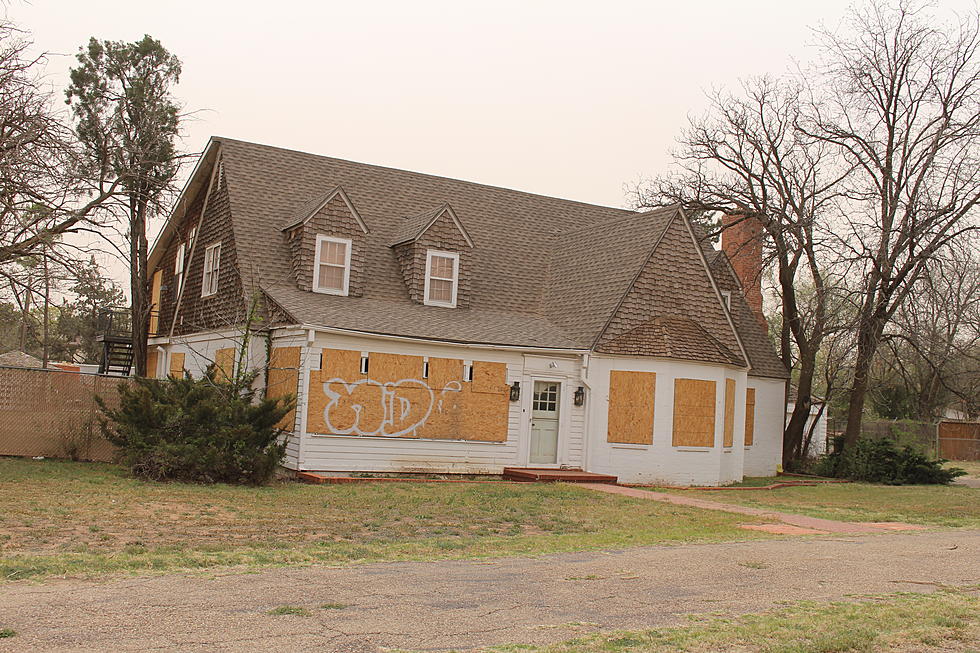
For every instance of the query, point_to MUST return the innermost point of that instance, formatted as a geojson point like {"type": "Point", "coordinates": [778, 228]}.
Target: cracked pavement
{"type": "Point", "coordinates": [464, 604]}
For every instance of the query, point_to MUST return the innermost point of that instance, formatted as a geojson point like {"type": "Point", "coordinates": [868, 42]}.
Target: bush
{"type": "Point", "coordinates": [882, 461]}
{"type": "Point", "coordinates": [196, 430]}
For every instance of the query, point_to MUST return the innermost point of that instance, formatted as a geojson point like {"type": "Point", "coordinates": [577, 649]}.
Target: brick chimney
{"type": "Point", "coordinates": [741, 241]}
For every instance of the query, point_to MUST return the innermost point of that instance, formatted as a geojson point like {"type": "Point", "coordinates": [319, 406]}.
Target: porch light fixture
{"type": "Point", "coordinates": [579, 397]}
{"type": "Point", "coordinates": [515, 390]}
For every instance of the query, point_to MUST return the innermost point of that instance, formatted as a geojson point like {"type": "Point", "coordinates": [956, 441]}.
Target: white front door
{"type": "Point", "coordinates": [544, 423]}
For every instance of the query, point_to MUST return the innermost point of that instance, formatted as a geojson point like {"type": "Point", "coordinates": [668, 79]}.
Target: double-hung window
{"type": "Point", "coordinates": [179, 266]}
{"type": "Point", "coordinates": [212, 263]}
{"type": "Point", "coordinates": [331, 265]}
{"type": "Point", "coordinates": [441, 278]}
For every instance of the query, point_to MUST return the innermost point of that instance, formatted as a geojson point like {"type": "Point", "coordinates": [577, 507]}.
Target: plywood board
{"type": "Point", "coordinates": [394, 368]}
{"type": "Point", "coordinates": [489, 377]}
{"type": "Point", "coordinates": [224, 364]}
{"type": "Point", "coordinates": [694, 413]}
{"type": "Point", "coordinates": [631, 400]}
{"type": "Point", "coordinates": [749, 416]}
{"type": "Point", "coordinates": [729, 433]}
{"type": "Point", "coordinates": [283, 379]}
{"type": "Point", "coordinates": [393, 400]}
{"type": "Point", "coordinates": [177, 365]}
{"type": "Point", "coordinates": [152, 361]}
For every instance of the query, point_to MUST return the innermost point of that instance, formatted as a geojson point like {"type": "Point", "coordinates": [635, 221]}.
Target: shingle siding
{"type": "Point", "coordinates": [226, 307]}
{"type": "Point", "coordinates": [674, 283]}
{"type": "Point", "coordinates": [334, 219]}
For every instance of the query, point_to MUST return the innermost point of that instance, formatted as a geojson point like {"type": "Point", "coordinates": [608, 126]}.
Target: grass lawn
{"type": "Point", "coordinates": [932, 505]}
{"type": "Point", "coordinates": [62, 518]}
{"type": "Point", "coordinates": [942, 621]}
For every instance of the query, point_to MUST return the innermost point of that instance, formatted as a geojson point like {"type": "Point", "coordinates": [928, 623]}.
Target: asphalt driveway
{"type": "Point", "coordinates": [460, 604]}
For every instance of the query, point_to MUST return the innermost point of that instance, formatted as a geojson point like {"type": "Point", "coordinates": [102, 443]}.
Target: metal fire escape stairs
{"type": "Point", "coordinates": [116, 337]}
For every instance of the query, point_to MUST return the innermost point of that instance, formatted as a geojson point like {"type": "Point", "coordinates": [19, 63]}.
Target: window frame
{"type": "Point", "coordinates": [179, 264]}
{"type": "Point", "coordinates": [726, 298]}
{"type": "Point", "coordinates": [215, 271]}
{"type": "Point", "coordinates": [348, 243]}
{"type": "Point", "coordinates": [429, 253]}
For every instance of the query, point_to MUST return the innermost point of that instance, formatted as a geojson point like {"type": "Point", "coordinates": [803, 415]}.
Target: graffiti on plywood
{"type": "Point", "coordinates": [393, 409]}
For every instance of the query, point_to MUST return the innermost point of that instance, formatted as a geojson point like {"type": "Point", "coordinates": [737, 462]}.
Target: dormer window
{"type": "Point", "coordinates": [441, 278]}
{"type": "Point", "coordinates": [331, 265]}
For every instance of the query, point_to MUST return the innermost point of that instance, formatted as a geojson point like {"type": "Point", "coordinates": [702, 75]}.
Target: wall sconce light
{"type": "Point", "coordinates": [579, 397]}
{"type": "Point", "coordinates": [515, 390]}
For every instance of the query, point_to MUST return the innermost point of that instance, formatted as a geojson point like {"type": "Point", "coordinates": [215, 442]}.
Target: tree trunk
{"type": "Point", "coordinates": [796, 428]}
{"type": "Point", "coordinates": [45, 355]}
{"type": "Point", "coordinates": [140, 310]}
{"type": "Point", "coordinates": [869, 334]}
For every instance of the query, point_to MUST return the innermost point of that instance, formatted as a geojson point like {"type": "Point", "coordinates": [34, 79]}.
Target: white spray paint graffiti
{"type": "Point", "coordinates": [405, 405]}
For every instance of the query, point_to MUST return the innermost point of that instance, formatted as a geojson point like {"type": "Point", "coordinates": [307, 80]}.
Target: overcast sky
{"type": "Point", "coordinates": [565, 98]}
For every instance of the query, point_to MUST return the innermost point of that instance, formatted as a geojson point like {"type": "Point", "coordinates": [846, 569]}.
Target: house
{"type": "Point", "coordinates": [428, 324]}
{"type": "Point", "coordinates": [816, 422]}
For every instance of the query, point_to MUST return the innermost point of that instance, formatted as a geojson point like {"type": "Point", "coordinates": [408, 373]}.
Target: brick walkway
{"type": "Point", "coordinates": [791, 524]}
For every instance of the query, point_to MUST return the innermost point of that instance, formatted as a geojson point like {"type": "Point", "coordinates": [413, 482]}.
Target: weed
{"type": "Point", "coordinates": [290, 609]}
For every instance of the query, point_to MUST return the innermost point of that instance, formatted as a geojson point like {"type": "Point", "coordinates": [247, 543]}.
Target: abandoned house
{"type": "Point", "coordinates": [428, 324]}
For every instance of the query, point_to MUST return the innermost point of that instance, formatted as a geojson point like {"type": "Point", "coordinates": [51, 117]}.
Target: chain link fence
{"type": "Point", "coordinates": [53, 413]}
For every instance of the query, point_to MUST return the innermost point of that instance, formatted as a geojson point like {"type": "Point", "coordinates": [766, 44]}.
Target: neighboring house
{"type": "Point", "coordinates": [17, 358]}
{"type": "Point", "coordinates": [816, 422]}
{"type": "Point", "coordinates": [435, 325]}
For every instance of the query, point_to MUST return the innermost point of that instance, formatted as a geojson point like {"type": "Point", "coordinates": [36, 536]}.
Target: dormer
{"type": "Point", "coordinates": [326, 237]}
{"type": "Point", "coordinates": [433, 250]}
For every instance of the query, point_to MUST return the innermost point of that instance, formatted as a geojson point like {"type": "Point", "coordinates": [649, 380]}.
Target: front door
{"type": "Point", "coordinates": [544, 423]}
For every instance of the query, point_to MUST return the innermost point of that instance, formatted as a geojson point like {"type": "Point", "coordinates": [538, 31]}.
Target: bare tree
{"type": "Point", "coordinates": [932, 347]}
{"type": "Point", "coordinates": [898, 95]}
{"type": "Point", "coordinates": [861, 169]}
{"type": "Point", "coordinates": [43, 191]}
{"type": "Point", "coordinates": [748, 156]}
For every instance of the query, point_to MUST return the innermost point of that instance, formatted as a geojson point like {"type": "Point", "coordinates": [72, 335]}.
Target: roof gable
{"type": "Point", "coordinates": [673, 290]}
{"type": "Point", "coordinates": [414, 227]}
{"type": "Point", "coordinates": [316, 204]}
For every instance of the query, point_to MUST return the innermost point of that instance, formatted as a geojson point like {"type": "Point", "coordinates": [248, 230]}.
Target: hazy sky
{"type": "Point", "coordinates": [566, 98]}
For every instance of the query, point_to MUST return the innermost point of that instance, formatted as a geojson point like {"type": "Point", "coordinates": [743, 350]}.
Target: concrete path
{"type": "Point", "coordinates": [440, 605]}
{"type": "Point", "coordinates": [800, 524]}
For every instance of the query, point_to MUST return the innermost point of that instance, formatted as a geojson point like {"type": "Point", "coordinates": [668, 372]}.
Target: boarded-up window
{"type": "Point", "coordinates": [749, 416]}
{"type": "Point", "coordinates": [152, 360]}
{"type": "Point", "coordinates": [393, 400]}
{"type": "Point", "coordinates": [177, 365]}
{"type": "Point", "coordinates": [283, 379]}
{"type": "Point", "coordinates": [694, 413]}
{"type": "Point", "coordinates": [631, 396]}
{"type": "Point", "coordinates": [729, 412]}
{"type": "Point", "coordinates": [224, 364]}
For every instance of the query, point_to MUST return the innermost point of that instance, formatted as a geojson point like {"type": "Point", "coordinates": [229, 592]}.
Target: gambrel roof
{"type": "Point", "coordinates": [544, 272]}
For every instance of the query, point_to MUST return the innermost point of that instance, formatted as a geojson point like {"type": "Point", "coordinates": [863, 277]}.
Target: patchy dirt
{"type": "Point", "coordinates": [438, 605]}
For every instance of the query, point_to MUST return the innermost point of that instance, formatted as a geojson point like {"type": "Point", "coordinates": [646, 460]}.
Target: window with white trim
{"type": "Point", "coordinates": [727, 296]}
{"type": "Point", "coordinates": [331, 265]}
{"type": "Point", "coordinates": [441, 278]}
{"type": "Point", "coordinates": [212, 264]}
{"type": "Point", "coordinates": [179, 266]}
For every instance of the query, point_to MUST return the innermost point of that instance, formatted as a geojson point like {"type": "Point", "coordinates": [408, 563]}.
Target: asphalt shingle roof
{"type": "Point", "coordinates": [547, 272]}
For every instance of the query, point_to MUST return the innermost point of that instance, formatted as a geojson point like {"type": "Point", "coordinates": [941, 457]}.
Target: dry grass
{"type": "Point", "coordinates": [931, 505]}
{"type": "Point", "coordinates": [972, 467]}
{"type": "Point", "coordinates": [943, 621]}
{"type": "Point", "coordinates": [62, 518]}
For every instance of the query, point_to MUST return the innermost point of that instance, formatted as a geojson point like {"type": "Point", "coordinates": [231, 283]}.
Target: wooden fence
{"type": "Point", "coordinates": [52, 413]}
{"type": "Point", "coordinates": [950, 439]}
{"type": "Point", "coordinates": [959, 440]}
